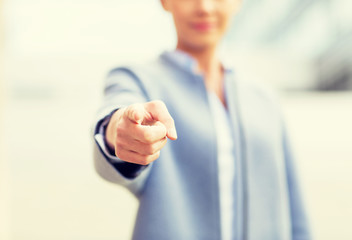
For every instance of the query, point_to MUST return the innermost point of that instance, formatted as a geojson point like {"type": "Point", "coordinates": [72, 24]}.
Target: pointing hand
{"type": "Point", "coordinates": [138, 132]}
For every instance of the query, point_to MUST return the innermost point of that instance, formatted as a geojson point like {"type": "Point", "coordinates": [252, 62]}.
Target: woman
{"type": "Point", "coordinates": [229, 174]}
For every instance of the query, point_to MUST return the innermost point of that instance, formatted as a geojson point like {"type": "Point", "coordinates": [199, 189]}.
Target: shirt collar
{"type": "Point", "coordinates": [186, 62]}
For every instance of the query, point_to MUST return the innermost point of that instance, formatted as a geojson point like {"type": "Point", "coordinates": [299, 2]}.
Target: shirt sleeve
{"type": "Point", "coordinates": [100, 139]}
{"type": "Point", "coordinates": [122, 88]}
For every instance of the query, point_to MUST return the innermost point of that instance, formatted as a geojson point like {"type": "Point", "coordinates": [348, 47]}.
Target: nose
{"type": "Point", "coordinates": [205, 6]}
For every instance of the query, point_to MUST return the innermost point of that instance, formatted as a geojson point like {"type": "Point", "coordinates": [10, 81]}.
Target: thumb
{"type": "Point", "coordinates": [158, 111]}
{"type": "Point", "coordinates": [136, 113]}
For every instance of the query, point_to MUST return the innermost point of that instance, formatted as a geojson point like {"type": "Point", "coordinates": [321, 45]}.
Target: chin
{"type": "Point", "coordinates": [201, 44]}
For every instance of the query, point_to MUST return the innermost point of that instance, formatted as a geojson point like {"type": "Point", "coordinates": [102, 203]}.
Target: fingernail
{"type": "Point", "coordinates": [173, 133]}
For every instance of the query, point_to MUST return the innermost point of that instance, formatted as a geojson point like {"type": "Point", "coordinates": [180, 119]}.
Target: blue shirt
{"type": "Point", "coordinates": [179, 192]}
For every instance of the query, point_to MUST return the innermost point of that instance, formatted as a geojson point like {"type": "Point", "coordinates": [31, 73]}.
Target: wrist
{"type": "Point", "coordinates": [110, 130]}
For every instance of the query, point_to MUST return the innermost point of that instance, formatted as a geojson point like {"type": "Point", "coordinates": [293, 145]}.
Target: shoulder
{"type": "Point", "coordinates": [145, 76]}
{"type": "Point", "coordinates": [145, 69]}
{"type": "Point", "coordinates": [133, 72]}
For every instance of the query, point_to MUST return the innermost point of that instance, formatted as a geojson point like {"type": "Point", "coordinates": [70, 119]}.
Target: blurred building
{"type": "Point", "coordinates": [299, 44]}
{"type": "Point", "coordinates": [317, 30]}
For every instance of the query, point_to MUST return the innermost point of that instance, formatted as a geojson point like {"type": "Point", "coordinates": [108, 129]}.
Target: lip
{"type": "Point", "coordinates": [203, 26]}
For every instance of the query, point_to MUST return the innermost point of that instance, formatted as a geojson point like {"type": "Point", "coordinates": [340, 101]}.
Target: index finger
{"type": "Point", "coordinates": [150, 133]}
{"type": "Point", "coordinates": [159, 112]}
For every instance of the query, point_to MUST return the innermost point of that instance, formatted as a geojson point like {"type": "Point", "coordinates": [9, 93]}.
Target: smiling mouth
{"type": "Point", "coordinates": [203, 26]}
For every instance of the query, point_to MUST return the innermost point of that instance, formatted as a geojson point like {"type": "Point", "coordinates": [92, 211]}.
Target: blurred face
{"type": "Point", "coordinates": [200, 23]}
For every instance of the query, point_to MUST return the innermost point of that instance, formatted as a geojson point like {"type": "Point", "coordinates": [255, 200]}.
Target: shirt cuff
{"type": "Point", "coordinates": [100, 139]}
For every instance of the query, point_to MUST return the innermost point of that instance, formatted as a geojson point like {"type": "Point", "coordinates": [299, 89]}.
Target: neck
{"type": "Point", "coordinates": [210, 65]}
{"type": "Point", "coordinates": [208, 62]}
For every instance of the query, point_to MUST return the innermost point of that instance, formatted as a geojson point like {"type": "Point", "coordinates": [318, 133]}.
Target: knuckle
{"type": "Point", "coordinates": [134, 109]}
{"type": "Point", "coordinates": [127, 110]}
{"type": "Point", "coordinates": [131, 109]}
{"type": "Point", "coordinates": [153, 157]}
{"type": "Point", "coordinates": [124, 156]}
{"type": "Point", "coordinates": [158, 103]}
{"type": "Point", "coordinates": [145, 160]}
{"type": "Point", "coordinates": [150, 149]}
{"type": "Point", "coordinates": [147, 135]}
